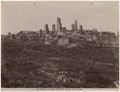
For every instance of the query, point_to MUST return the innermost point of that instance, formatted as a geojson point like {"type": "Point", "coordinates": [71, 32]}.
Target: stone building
{"type": "Point", "coordinates": [46, 29]}
{"type": "Point", "coordinates": [63, 41]}
{"type": "Point", "coordinates": [76, 25]}
{"type": "Point", "coordinates": [59, 24]}
{"type": "Point", "coordinates": [53, 27]}
{"type": "Point", "coordinates": [72, 27]}
{"type": "Point", "coordinates": [27, 35]}
{"type": "Point", "coordinates": [107, 37]}
{"type": "Point", "coordinates": [80, 28]}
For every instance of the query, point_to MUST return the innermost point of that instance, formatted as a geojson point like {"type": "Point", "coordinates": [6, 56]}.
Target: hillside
{"type": "Point", "coordinates": [32, 64]}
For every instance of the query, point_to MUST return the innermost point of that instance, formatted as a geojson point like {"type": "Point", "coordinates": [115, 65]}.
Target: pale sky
{"type": "Point", "coordinates": [28, 15]}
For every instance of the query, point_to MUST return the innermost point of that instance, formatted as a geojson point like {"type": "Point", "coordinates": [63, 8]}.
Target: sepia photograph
{"type": "Point", "coordinates": [60, 44]}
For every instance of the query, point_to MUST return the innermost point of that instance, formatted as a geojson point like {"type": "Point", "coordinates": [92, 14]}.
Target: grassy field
{"type": "Point", "coordinates": [34, 65]}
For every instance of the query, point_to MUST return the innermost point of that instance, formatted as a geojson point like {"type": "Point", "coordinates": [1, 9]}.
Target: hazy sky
{"type": "Point", "coordinates": [26, 15]}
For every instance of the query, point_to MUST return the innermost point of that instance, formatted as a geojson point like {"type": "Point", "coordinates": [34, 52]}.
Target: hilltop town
{"type": "Point", "coordinates": [60, 58]}
{"type": "Point", "coordinates": [60, 35]}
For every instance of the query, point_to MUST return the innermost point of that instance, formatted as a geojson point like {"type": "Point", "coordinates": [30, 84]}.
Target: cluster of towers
{"type": "Point", "coordinates": [58, 31]}
{"type": "Point", "coordinates": [58, 27]}
{"type": "Point", "coordinates": [75, 26]}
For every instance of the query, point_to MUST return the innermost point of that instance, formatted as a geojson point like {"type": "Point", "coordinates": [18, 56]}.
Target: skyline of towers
{"type": "Point", "coordinates": [58, 26]}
